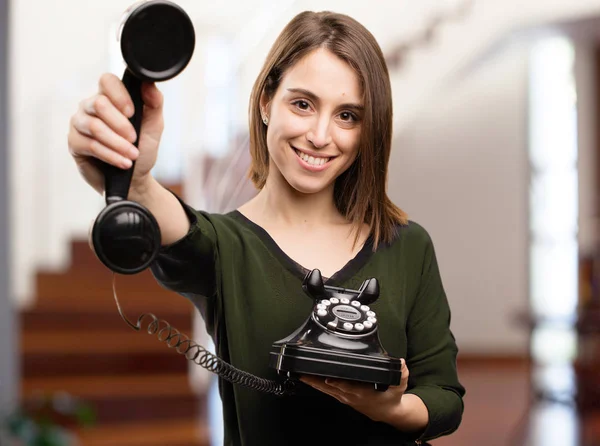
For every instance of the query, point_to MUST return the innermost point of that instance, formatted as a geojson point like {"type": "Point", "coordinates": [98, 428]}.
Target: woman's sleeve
{"type": "Point", "coordinates": [432, 351]}
{"type": "Point", "coordinates": [190, 265]}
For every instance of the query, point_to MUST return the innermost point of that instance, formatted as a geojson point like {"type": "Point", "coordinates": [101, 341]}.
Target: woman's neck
{"type": "Point", "coordinates": [283, 205]}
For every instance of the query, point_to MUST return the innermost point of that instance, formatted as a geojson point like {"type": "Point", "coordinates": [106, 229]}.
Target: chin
{"type": "Point", "coordinates": [308, 187]}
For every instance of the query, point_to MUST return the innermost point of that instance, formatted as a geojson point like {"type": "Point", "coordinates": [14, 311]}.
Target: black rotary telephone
{"type": "Point", "coordinates": [339, 338]}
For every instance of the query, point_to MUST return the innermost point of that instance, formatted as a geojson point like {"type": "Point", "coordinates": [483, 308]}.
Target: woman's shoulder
{"type": "Point", "coordinates": [413, 233]}
{"type": "Point", "coordinates": [230, 219]}
{"type": "Point", "coordinates": [231, 224]}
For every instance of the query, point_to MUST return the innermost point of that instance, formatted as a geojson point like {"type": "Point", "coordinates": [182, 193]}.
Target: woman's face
{"type": "Point", "coordinates": [314, 122]}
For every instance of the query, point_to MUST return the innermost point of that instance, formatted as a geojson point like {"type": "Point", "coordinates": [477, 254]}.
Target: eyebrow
{"type": "Point", "coordinates": [315, 98]}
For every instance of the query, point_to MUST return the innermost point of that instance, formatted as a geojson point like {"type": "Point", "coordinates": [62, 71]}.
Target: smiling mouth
{"type": "Point", "coordinates": [311, 160]}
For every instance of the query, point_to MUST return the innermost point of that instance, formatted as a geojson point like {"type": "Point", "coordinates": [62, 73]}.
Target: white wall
{"type": "Point", "coordinates": [460, 169]}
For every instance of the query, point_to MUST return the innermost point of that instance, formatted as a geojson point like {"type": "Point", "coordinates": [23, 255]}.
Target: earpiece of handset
{"type": "Point", "coordinates": [126, 236]}
{"type": "Point", "coordinates": [369, 291]}
{"type": "Point", "coordinates": [313, 284]}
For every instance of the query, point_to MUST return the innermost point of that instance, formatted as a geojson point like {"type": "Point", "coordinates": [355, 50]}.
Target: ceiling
{"type": "Point", "coordinates": [390, 21]}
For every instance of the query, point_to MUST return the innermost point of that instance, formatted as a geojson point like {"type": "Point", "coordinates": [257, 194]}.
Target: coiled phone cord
{"type": "Point", "coordinates": [199, 355]}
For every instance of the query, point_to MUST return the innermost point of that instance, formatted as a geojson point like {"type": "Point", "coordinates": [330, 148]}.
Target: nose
{"type": "Point", "coordinates": [318, 135]}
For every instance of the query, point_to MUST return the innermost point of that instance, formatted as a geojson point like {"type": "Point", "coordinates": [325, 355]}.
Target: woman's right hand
{"type": "Point", "coordinates": [101, 129]}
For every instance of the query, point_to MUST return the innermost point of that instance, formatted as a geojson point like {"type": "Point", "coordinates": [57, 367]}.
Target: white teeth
{"type": "Point", "coordinates": [313, 161]}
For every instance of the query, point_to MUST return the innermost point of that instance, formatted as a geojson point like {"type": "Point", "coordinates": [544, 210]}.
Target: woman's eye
{"type": "Point", "coordinates": [348, 117]}
{"type": "Point", "coordinates": [302, 105]}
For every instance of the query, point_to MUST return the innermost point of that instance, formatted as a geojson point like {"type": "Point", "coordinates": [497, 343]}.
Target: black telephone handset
{"type": "Point", "coordinates": [339, 339]}
{"type": "Point", "coordinates": [157, 41]}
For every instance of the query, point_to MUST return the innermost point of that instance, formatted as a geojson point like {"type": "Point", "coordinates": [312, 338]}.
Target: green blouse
{"type": "Point", "coordinates": [249, 293]}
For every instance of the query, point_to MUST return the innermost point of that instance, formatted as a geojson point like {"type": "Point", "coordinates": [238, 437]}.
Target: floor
{"type": "Point", "coordinates": [499, 411]}
{"type": "Point", "coordinates": [495, 405]}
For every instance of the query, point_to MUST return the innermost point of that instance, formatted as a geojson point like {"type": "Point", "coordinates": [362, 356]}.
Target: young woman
{"type": "Point", "coordinates": [320, 140]}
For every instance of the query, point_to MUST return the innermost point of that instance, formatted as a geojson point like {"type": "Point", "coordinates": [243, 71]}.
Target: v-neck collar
{"type": "Point", "coordinates": [341, 276]}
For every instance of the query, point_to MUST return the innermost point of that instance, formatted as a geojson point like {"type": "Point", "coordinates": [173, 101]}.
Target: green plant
{"type": "Point", "coordinates": [47, 420]}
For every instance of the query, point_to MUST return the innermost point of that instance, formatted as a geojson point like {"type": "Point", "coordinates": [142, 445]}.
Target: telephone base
{"type": "Point", "coordinates": [294, 360]}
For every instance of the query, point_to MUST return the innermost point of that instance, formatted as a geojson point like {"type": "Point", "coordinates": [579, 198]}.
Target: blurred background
{"type": "Point", "coordinates": [495, 153]}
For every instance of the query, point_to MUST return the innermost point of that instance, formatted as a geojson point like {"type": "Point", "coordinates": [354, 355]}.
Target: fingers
{"type": "Point", "coordinates": [101, 107]}
{"type": "Point", "coordinates": [112, 87]}
{"type": "Point", "coordinates": [313, 381]}
{"type": "Point", "coordinates": [404, 374]}
{"type": "Point", "coordinates": [317, 382]}
{"type": "Point", "coordinates": [338, 388]}
{"type": "Point", "coordinates": [153, 121]}
{"type": "Point", "coordinates": [101, 127]}
{"type": "Point", "coordinates": [320, 384]}
{"type": "Point", "coordinates": [97, 130]}
{"type": "Point", "coordinates": [349, 387]}
{"type": "Point", "coordinates": [82, 145]}
{"type": "Point", "coordinates": [152, 96]}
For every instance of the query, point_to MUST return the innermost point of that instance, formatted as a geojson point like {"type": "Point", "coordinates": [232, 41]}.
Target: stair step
{"type": "Point", "coordinates": [138, 409]}
{"type": "Point", "coordinates": [185, 432]}
{"type": "Point", "coordinates": [83, 258]}
{"type": "Point", "coordinates": [122, 399]}
{"type": "Point", "coordinates": [149, 408]}
{"type": "Point", "coordinates": [36, 320]}
{"type": "Point", "coordinates": [93, 342]}
{"type": "Point", "coordinates": [83, 364]}
{"type": "Point", "coordinates": [61, 296]}
{"type": "Point", "coordinates": [117, 387]}
{"type": "Point", "coordinates": [93, 284]}
{"type": "Point", "coordinates": [132, 303]}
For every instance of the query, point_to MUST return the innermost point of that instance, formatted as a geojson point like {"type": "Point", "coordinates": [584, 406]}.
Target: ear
{"type": "Point", "coordinates": [265, 105]}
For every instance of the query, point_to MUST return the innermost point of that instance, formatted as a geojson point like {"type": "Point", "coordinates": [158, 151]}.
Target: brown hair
{"type": "Point", "coordinates": [360, 192]}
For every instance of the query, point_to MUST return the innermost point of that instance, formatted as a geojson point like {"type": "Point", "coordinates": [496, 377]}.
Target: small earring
{"type": "Point", "coordinates": [266, 120]}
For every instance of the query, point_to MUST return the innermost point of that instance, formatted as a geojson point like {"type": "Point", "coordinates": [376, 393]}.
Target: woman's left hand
{"type": "Point", "coordinates": [362, 397]}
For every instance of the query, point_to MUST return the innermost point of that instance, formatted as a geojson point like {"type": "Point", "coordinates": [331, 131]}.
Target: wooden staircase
{"type": "Point", "coordinates": [74, 341]}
